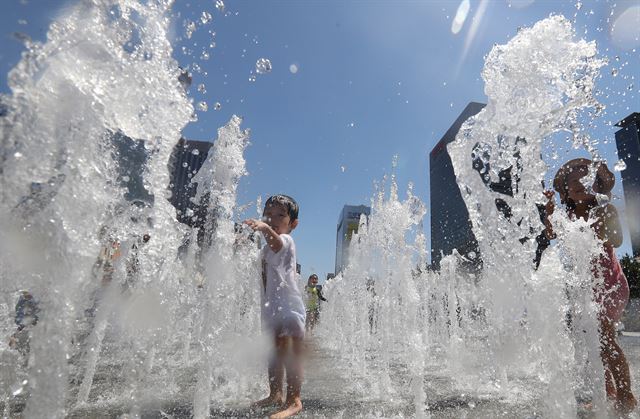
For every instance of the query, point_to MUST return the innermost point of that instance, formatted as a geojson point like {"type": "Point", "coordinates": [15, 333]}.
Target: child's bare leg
{"type": "Point", "coordinates": [312, 320]}
{"type": "Point", "coordinates": [610, 386]}
{"type": "Point", "coordinates": [615, 361]}
{"type": "Point", "coordinates": [293, 403]}
{"type": "Point", "coordinates": [276, 376]}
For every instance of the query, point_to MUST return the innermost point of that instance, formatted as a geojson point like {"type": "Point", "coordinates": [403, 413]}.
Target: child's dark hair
{"type": "Point", "coordinates": [602, 184]}
{"type": "Point", "coordinates": [289, 203]}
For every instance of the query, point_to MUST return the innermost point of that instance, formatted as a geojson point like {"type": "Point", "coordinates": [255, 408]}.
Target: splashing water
{"type": "Point", "coordinates": [536, 85]}
{"type": "Point", "coordinates": [620, 166]}
{"type": "Point", "coordinates": [263, 66]}
{"type": "Point", "coordinates": [171, 328]}
{"type": "Point", "coordinates": [75, 98]}
{"type": "Point", "coordinates": [499, 331]}
{"type": "Point", "coordinates": [69, 96]}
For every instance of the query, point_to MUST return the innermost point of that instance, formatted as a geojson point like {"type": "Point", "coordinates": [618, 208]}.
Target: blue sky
{"type": "Point", "coordinates": [374, 79]}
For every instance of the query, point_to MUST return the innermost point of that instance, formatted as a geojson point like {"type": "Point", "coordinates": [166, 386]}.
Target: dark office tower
{"type": "Point", "coordinates": [628, 141]}
{"type": "Point", "coordinates": [450, 224]}
{"type": "Point", "coordinates": [187, 158]}
{"type": "Point", "coordinates": [131, 157]}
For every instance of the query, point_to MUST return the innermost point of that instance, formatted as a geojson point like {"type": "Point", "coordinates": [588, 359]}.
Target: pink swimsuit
{"type": "Point", "coordinates": [613, 293]}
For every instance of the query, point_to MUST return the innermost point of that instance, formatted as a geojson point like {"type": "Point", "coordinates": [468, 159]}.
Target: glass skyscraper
{"type": "Point", "coordinates": [348, 224]}
{"type": "Point", "coordinates": [450, 224]}
{"type": "Point", "coordinates": [628, 142]}
{"type": "Point", "coordinates": [187, 158]}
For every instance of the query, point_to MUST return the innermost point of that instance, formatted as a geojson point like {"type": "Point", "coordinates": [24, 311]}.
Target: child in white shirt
{"type": "Point", "coordinates": [283, 311]}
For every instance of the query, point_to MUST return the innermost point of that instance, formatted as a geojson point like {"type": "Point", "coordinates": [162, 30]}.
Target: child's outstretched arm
{"type": "Point", "coordinates": [273, 239]}
{"type": "Point", "coordinates": [321, 296]}
{"type": "Point", "coordinates": [607, 225]}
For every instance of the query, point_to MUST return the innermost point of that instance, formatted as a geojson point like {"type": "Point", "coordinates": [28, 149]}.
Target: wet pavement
{"type": "Point", "coordinates": [326, 395]}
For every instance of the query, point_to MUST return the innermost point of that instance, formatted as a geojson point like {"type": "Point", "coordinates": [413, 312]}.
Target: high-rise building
{"type": "Point", "coordinates": [628, 142]}
{"type": "Point", "coordinates": [187, 158]}
{"type": "Point", "coordinates": [131, 157]}
{"type": "Point", "coordinates": [450, 223]}
{"type": "Point", "coordinates": [348, 223]}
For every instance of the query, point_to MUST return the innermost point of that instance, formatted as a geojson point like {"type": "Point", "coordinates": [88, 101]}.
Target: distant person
{"type": "Point", "coordinates": [314, 296]}
{"type": "Point", "coordinates": [132, 266]}
{"type": "Point", "coordinates": [372, 306]}
{"type": "Point", "coordinates": [104, 268]}
{"type": "Point", "coordinates": [26, 316]}
{"type": "Point", "coordinates": [283, 312]}
{"type": "Point", "coordinates": [109, 253]}
{"type": "Point", "coordinates": [613, 295]}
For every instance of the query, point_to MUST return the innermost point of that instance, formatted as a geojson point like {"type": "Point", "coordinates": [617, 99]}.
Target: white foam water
{"type": "Point", "coordinates": [500, 331]}
{"type": "Point", "coordinates": [106, 67]}
{"type": "Point", "coordinates": [175, 334]}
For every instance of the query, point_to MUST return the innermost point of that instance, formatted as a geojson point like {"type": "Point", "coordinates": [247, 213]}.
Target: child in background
{"type": "Point", "coordinates": [613, 294]}
{"type": "Point", "coordinates": [283, 312]}
{"type": "Point", "coordinates": [27, 311]}
{"type": "Point", "coordinates": [314, 296]}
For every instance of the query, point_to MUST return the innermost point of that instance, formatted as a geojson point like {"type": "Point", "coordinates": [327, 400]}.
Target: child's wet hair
{"type": "Point", "coordinates": [289, 203]}
{"type": "Point", "coordinates": [602, 184]}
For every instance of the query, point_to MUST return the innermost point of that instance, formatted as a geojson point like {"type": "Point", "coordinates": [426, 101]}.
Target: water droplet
{"type": "Point", "coordinates": [343, 168]}
{"type": "Point", "coordinates": [17, 155]}
{"type": "Point", "coordinates": [22, 37]}
{"type": "Point", "coordinates": [217, 106]}
{"type": "Point", "coordinates": [205, 18]}
{"type": "Point", "coordinates": [263, 66]}
{"type": "Point", "coordinates": [602, 199]}
{"type": "Point", "coordinates": [190, 28]}
{"type": "Point", "coordinates": [204, 56]}
{"type": "Point", "coordinates": [352, 124]}
{"type": "Point", "coordinates": [614, 72]}
{"type": "Point", "coordinates": [202, 88]}
{"type": "Point", "coordinates": [195, 152]}
{"type": "Point", "coordinates": [579, 5]}
{"type": "Point", "coordinates": [220, 5]}
{"type": "Point", "coordinates": [293, 68]}
{"type": "Point", "coordinates": [203, 106]}
{"type": "Point", "coordinates": [125, 178]}
{"type": "Point", "coordinates": [252, 78]}
{"type": "Point", "coordinates": [185, 164]}
{"type": "Point", "coordinates": [620, 166]}
{"type": "Point", "coordinates": [22, 22]}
